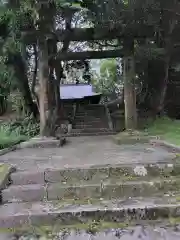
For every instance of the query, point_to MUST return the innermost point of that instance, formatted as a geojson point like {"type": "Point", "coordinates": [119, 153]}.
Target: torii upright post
{"type": "Point", "coordinates": [129, 85]}
{"type": "Point", "coordinates": [43, 80]}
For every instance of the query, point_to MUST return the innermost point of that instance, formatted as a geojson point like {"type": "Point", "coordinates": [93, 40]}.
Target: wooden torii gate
{"type": "Point", "coordinates": [87, 34]}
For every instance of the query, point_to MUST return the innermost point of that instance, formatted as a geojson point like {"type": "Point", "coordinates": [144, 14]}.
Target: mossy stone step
{"type": "Point", "coordinates": [103, 190]}
{"type": "Point", "coordinates": [98, 132]}
{"type": "Point", "coordinates": [97, 173]}
{"type": "Point", "coordinates": [120, 210]}
{"type": "Point", "coordinates": [90, 130]}
{"type": "Point", "coordinates": [98, 230]}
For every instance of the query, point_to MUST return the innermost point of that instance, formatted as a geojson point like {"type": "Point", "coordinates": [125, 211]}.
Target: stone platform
{"type": "Point", "coordinates": [91, 179]}
{"type": "Point", "coordinates": [86, 151]}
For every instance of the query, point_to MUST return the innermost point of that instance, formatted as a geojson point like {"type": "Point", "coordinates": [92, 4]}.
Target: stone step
{"type": "Point", "coordinates": [92, 106]}
{"type": "Point", "coordinates": [85, 174]}
{"type": "Point", "coordinates": [89, 130]}
{"type": "Point", "coordinates": [103, 190]}
{"type": "Point", "coordinates": [89, 110]}
{"type": "Point", "coordinates": [97, 231]}
{"type": "Point", "coordinates": [91, 113]}
{"type": "Point", "coordinates": [88, 118]}
{"type": "Point", "coordinates": [90, 122]}
{"type": "Point", "coordinates": [68, 213]}
{"type": "Point", "coordinates": [97, 133]}
{"type": "Point", "coordinates": [85, 126]}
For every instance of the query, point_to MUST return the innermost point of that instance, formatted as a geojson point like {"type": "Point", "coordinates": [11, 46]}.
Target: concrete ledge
{"type": "Point", "coordinates": [128, 137]}
{"type": "Point", "coordinates": [39, 142]}
{"type": "Point", "coordinates": [169, 146]}
{"type": "Point", "coordinates": [6, 150]}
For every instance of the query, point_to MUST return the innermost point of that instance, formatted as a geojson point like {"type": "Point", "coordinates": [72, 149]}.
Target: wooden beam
{"type": "Point", "coordinates": [91, 34]}
{"type": "Point", "coordinates": [67, 56]}
{"type": "Point", "coordinates": [104, 33]}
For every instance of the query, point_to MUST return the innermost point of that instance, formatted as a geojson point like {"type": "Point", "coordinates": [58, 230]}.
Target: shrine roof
{"type": "Point", "coordinates": [76, 91]}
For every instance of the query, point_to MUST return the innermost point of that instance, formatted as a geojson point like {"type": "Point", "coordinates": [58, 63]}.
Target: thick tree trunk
{"type": "Point", "coordinates": [163, 89]}
{"type": "Point", "coordinates": [169, 19]}
{"type": "Point", "coordinates": [55, 67]}
{"type": "Point", "coordinates": [48, 93]}
{"type": "Point", "coordinates": [129, 94]}
{"type": "Point", "coordinates": [22, 79]}
{"type": "Point", "coordinates": [43, 81]}
{"type": "Point", "coordinates": [48, 87]}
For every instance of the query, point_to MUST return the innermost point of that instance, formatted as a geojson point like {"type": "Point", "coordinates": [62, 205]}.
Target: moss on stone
{"type": "Point", "coordinates": [174, 221]}
{"type": "Point", "coordinates": [5, 170]}
{"type": "Point", "coordinates": [131, 137]}
{"type": "Point", "coordinates": [90, 226]}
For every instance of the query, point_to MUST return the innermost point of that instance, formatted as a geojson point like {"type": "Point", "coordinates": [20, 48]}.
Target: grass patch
{"type": "Point", "coordinates": [166, 129]}
{"type": "Point", "coordinates": [163, 128]}
{"type": "Point", "coordinates": [8, 139]}
{"type": "Point", "coordinates": [18, 130]}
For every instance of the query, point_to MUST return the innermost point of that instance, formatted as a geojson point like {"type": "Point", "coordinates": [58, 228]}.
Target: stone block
{"type": "Point", "coordinates": [58, 191]}
{"type": "Point", "coordinates": [25, 177]}
{"type": "Point", "coordinates": [24, 193]}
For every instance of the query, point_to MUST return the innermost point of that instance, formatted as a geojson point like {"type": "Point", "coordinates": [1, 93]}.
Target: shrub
{"type": "Point", "coordinates": [18, 130]}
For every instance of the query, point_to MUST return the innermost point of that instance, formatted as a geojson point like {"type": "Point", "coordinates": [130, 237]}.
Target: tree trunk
{"type": "Point", "coordinates": [55, 66]}
{"type": "Point", "coordinates": [163, 88]}
{"type": "Point", "coordinates": [43, 82]}
{"type": "Point", "coordinates": [129, 94]}
{"type": "Point", "coordinates": [47, 95]}
{"type": "Point", "coordinates": [169, 20]}
{"type": "Point", "coordinates": [35, 74]}
{"type": "Point", "coordinates": [22, 80]}
{"type": "Point", "coordinates": [48, 86]}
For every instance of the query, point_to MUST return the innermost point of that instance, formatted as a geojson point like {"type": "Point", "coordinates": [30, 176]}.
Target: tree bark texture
{"type": "Point", "coordinates": [23, 85]}
{"type": "Point", "coordinates": [169, 20]}
{"type": "Point", "coordinates": [43, 82]}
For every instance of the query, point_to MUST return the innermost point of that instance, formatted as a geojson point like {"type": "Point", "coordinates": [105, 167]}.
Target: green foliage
{"type": "Point", "coordinates": [8, 140]}
{"type": "Point", "coordinates": [108, 69]}
{"type": "Point", "coordinates": [26, 126]}
{"type": "Point", "coordinates": [108, 81]}
{"type": "Point", "coordinates": [8, 44]}
{"type": "Point", "coordinates": [18, 130]}
{"type": "Point", "coordinates": [5, 87]}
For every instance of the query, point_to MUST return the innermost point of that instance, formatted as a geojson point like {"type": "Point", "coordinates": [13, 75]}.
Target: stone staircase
{"type": "Point", "coordinates": [91, 120]}
{"type": "Point", "coordinates": [121, 194]}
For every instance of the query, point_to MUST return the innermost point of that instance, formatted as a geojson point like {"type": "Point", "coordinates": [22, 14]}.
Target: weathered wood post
{"type": "Point", "coordinates": [129, 85]}
{"type": "Point", "coordinates": [43, 83]}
